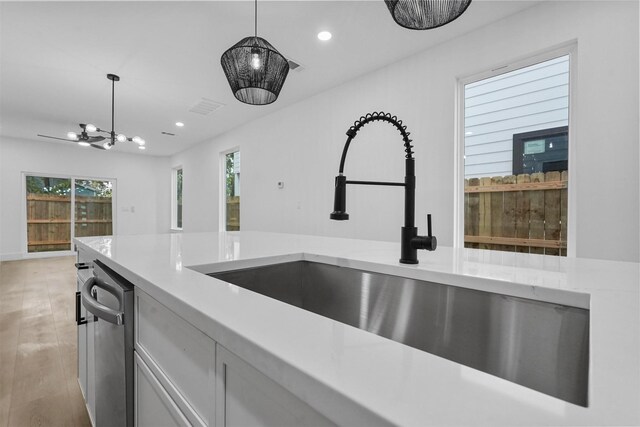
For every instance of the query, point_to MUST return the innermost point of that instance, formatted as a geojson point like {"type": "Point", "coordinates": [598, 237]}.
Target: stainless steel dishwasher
{"type": "Point", "coordinates": [109, 297]}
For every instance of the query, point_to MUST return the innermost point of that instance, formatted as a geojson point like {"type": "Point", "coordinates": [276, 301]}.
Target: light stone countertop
{"type": "Point", "coordinates": [358, 378]}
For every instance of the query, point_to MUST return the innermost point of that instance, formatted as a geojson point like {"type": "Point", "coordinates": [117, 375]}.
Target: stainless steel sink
{"type": "Point", "coordinates": [539, 345]}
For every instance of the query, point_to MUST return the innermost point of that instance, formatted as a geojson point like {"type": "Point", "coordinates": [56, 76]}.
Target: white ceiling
{"type": "Point", "coordinates": [55, 57]}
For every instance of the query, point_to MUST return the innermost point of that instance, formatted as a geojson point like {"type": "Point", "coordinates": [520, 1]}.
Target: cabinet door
{"type": "Point", "coordinates": [247, 397]}
{"type": "Point", "coordinates": [153, 406]}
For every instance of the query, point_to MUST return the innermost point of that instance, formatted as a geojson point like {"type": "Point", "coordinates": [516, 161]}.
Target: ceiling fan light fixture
{"type": "Point", "coordinates": [137, 140]}
{"type": "Point", "coordinates": [85, 138]}
{"type": "Point", "coordinates": [426, 14]}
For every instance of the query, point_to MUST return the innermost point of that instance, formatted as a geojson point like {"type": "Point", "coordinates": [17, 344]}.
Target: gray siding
{"type": "Point", "coordinates": [528, 99]}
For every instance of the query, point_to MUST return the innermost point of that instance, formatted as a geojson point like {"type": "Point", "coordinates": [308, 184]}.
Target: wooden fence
{"type": "Point", "coordinates": [49, 220]}
{"type": "Point", "coordinates": [233, 213]}
{"type": "Point", "coordinates": [523, 213]}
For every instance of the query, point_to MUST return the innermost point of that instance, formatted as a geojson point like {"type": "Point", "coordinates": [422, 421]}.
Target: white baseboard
{"type": "Point", "coordinates": [19, 256]}
{"type": "Point", "coordinates": [11, 256]}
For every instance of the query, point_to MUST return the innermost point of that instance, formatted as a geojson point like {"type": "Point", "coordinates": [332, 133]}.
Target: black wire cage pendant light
{"type": "Point", "coordinates": [255, 69]}
{"type": "Point", "coordinates": [426, 14]}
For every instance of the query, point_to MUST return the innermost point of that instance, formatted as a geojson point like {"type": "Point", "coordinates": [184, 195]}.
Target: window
{"type": "Point", "coordinates": [231, 210]}
{"type": "Point", "coordinates": [61, 208]}
{"type": "Point", "coordinates": [516, 158]}
{"type": "Point", "coordinates": [93, 208]}
{"type": "Point", "coordinates": [176, 199]}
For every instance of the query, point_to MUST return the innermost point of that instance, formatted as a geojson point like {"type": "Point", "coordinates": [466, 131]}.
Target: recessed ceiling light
{"type": "Point", "coordinates": [179, 124]}
{"type": "Point", "coordinates": [324, 35]}
{"type": "Point", "coordinates": [83, 144]}
{"type": "Point", "coordinates": [142, 147]}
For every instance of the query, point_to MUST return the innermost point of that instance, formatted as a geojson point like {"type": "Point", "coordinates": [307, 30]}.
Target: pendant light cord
{"type": "Point", "coordinates": [256, 18]}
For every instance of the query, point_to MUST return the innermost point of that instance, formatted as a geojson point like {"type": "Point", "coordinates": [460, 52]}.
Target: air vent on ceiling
{"type": "Point", "coordinates": [168, 133]}
{"type": "Point", "coordinates": [294, 66]}
{"type": "Point", "coordinates": [205, 106]}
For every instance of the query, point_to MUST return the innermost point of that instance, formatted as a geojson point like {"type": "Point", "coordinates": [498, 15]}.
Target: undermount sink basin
{"type": "Point", "coordinates": [540, 345]}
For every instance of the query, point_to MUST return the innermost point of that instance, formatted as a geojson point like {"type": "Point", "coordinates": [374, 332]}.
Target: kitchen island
{"type": "Point", "coordinates": [334, 373]}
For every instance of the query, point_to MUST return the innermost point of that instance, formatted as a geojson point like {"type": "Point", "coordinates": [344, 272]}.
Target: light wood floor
{"type": "Point", "coordinates": [38, 359]}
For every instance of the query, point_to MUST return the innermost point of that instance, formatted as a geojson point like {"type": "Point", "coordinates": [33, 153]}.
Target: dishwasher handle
{"type": "Point", "coordinates": [100, 310]}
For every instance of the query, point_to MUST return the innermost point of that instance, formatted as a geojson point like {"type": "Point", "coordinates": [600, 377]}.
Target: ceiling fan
{"type": "Point", "coordinates": [85, 139]}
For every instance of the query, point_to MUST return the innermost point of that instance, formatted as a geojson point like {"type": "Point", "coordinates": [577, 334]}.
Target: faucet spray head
{"type": "Point", "coordinates": [340, 200]}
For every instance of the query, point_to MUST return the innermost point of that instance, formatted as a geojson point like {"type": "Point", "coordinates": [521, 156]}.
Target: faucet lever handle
{"type": "Point", "coordinates": [428, 242]}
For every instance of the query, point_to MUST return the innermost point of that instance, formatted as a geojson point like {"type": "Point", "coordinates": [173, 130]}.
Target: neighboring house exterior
{"type": "Point", "coordinates": [524, 100]}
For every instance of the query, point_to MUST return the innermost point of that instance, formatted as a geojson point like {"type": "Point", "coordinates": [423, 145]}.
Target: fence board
{"type": "Point", "coordinates": [508, 228]}
{"type": "Point", "coordinates": [522, 212]}
{"type": "Point", "coordinates": [484, 227]}
{"type": "Point", "coordinates": [563, 211]}
{"type": "Point", "coordinates": [467, 213]}
{"type": "Point", "coordinates": [536, 214]}
{"type": "Point", "coordinates": [497, 209]}
{"type": "Point", "coordinates": [552, 213]}
{"type": "Point", "coordinates": [514, 241]}
{"type": "Point", "coordinates": [519, 186]}
{"type": "Point", "coordinates": [474, 211]}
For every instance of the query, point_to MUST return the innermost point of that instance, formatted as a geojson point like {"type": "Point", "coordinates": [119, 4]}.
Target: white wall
{"type": "Point", "coordinates": [141, 181]}
{"type": "Point", "coordinates": [301, 144]}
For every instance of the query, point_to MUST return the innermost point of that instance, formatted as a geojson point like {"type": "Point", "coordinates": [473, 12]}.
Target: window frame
{"type": "Point", "coordinates": [174, 198]}
{"type": "Point", "coordinates": [566, 49]}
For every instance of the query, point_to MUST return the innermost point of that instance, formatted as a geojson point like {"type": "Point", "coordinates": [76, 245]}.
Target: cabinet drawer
{"type": "Point", "coordinates": [153, 406]}
{"type": "Point", "coordinates": [183, 354]}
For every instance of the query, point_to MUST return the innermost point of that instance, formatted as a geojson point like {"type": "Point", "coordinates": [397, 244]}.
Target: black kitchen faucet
{"type": "Point", "coordinates": [409, 240]}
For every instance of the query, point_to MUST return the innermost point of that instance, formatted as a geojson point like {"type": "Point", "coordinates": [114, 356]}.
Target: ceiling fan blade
{"type": "Point", "coordinates": [98, 146]}
{"type": "Point", "coordinates": [55, 137]}
{"type": "Point", "coordinates": [93, 139]}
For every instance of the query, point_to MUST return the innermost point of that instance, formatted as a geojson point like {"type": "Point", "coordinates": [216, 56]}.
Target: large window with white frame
{"type": "Point", "coordinates": [176, 198]}
{"type": "Point", "coordinates": [515, 156]}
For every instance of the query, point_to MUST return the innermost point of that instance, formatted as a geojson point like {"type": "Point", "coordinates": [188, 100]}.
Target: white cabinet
{"type": "Point", "coordinates": [153, 406]}
{"type": "Point", "coordinates": [247, 397]}
{"type": "Point", "coordinates": [181, 358]}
